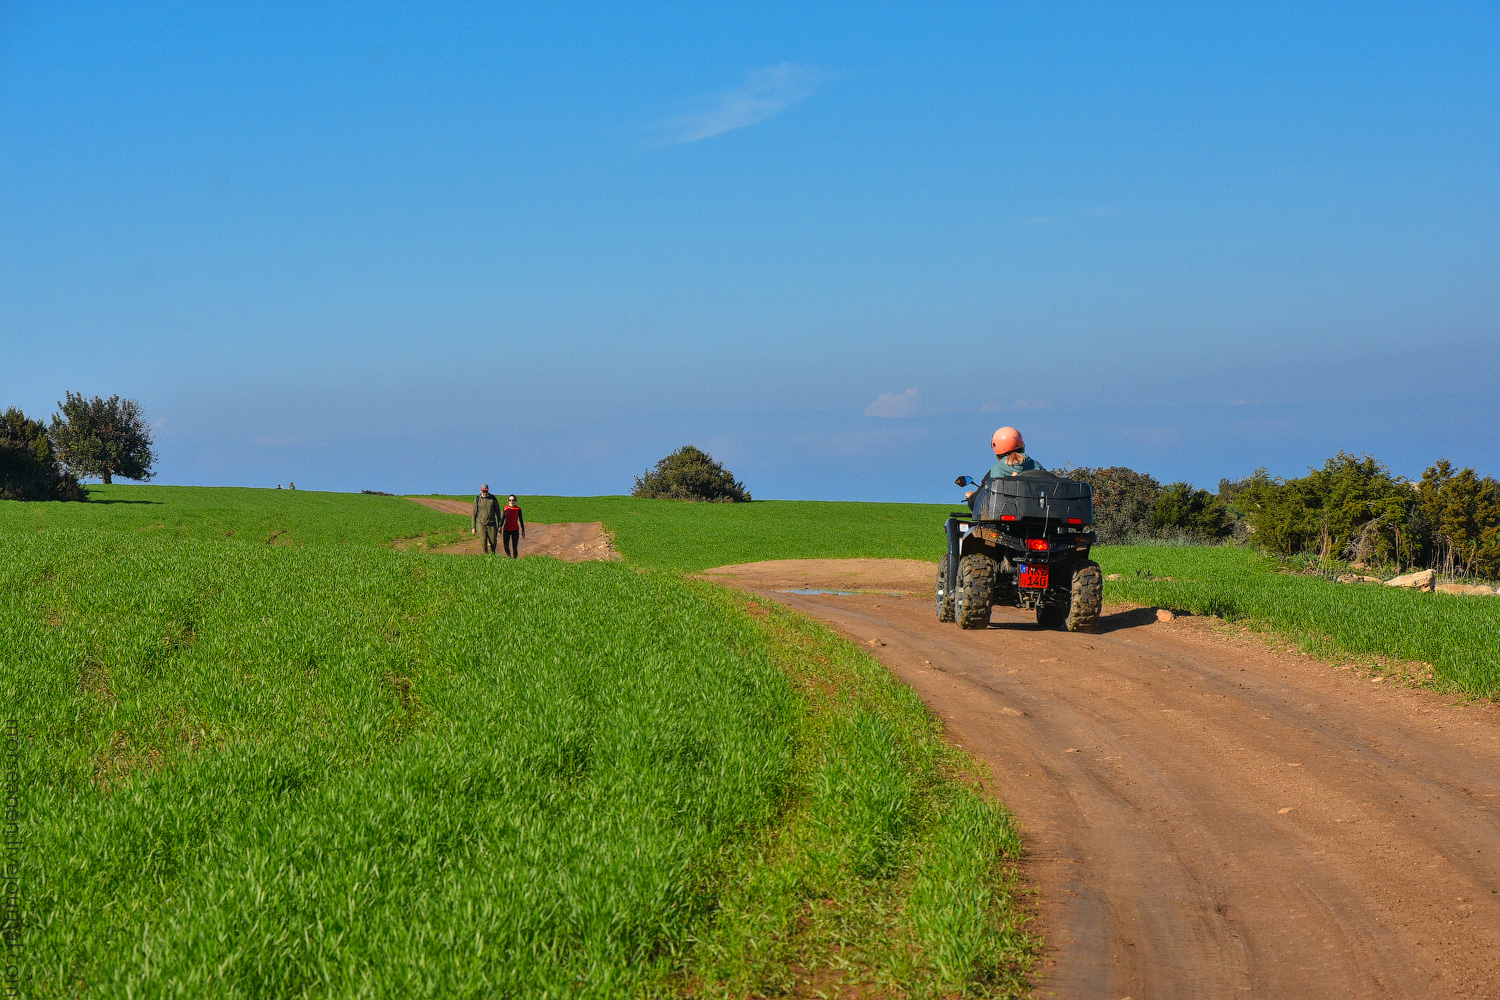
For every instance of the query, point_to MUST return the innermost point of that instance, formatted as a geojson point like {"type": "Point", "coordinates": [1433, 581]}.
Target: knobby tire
{"type": "Point", "coordinates": [944, 598]}
{"type": "Point", "coordinates": [976, 588]}
{"type": "Point", "coordinates": [1088, 598]}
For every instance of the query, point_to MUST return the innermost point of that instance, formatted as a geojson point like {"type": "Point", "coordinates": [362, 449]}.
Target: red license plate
{"type": "Point", "coordinates": [1034, 576]}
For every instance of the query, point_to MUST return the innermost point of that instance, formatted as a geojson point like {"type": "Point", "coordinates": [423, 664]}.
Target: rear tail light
{"type": "Point", "coordinates": [1007, 517]}
{"type": "Point", "coordinates": [1075, 520]}
{"type": "Point", "coordinates": [1037, 544]}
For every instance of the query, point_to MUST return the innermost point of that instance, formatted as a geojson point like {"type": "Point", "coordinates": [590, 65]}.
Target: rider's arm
{"type": "Point", "coordinates": [973, 494]}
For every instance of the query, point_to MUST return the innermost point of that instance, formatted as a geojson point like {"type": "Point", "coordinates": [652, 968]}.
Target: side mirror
{"type": "Point", "coordinates": [963, 481]}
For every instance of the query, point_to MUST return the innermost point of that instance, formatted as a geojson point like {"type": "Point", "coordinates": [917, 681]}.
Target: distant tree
{"type": "Point", "coordinates": [1230, 493]}
{"type": "Point", "coordinates": [29, 469]}
{"type": "Point", "coordinates": [690, 474]}
{"type": "Point", "coordinates": [1124, 501]}
{"type": "Point", "coordinates": [1230, 489]}
{"type": "Point", "coordinates": [103, 437]}
{"type": "Point", "coordinates": [1197, 513]}
{"type": "Point", "coordinates": [1463, 513]}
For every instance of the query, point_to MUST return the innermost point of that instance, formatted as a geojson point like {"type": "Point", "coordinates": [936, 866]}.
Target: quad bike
{"type": "Point", "coordinates": [1025, 544]}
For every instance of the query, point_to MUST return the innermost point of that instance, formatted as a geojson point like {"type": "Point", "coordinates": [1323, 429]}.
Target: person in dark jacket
{"type": "Point", "coordinates": [515, 527]}
{"type": "Point", "coordinates": [486, 518]}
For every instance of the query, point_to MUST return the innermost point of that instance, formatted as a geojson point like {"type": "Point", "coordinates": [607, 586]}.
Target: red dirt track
{"type": "Point", "coordinates": [570, 542]}
{"type": "Point", "coordinates": [1205, 816]}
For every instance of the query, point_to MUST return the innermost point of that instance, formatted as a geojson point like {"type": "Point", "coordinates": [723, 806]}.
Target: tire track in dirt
{"type": "Point", "coordinates": [1206, 816]}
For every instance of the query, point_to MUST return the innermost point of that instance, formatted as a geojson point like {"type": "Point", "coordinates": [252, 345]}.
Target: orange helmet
{"type": "Point", "coordinates": [1007, 440]}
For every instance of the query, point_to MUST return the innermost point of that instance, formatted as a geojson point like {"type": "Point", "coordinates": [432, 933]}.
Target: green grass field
{"type": "Point", "coordinates": [277, 517]}
{"type": "Point", "coordinates": [671, 534]}
{"type": "Point", "coordinates": [266, 755]}
{"type": "Point", "coordinates": [1458, 636]}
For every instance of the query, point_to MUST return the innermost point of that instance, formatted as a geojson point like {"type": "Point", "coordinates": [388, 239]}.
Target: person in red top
{"type": "Point", "coordinates": [514, 527]}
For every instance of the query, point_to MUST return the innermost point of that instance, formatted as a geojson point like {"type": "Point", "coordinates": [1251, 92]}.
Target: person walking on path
{"type": "Point", "coordinates": [486, 518]}
{"type": "Point", "coordinates": [515, 527]}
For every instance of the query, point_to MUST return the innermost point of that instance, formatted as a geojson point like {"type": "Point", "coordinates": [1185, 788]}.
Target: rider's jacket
{"type": "Point", "coordinates": [1000, 470]}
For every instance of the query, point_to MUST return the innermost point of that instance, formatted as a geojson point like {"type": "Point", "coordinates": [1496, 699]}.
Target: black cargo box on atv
{"type": "Point", "coordinates": [1035, 494]}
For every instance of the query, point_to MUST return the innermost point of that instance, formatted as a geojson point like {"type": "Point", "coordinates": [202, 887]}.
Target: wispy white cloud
{"type": "Point", "coordinates": [896, 404]}
{"type": "Point", "coordinates": [764, 94]}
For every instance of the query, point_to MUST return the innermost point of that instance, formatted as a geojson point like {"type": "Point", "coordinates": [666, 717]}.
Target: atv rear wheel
{"type": "Point", "coordinates": [944, 596]}
{"type": "Point", "coordinates": [1088, 598]}
{"type": "Point", "coordinates": [976, 586]}
{"type": "Point", "coordinates": [1052, 615]}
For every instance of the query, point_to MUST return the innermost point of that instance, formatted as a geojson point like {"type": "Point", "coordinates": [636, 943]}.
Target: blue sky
{"type": "Point", "coordinates": [416, 247]}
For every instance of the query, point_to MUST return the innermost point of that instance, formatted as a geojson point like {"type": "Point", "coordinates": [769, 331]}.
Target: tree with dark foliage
{"type": "Point", "coordinates": [103, 437]}
{"type": "Point", "coordinates": [690, 474]}
{"type": "Point", "coordinates": [1329, 508]}
{"type": "Point", "coordinates": [1463, 512]}
{"type": "Point", "coordinates": [28, 465]}
{"type": "Point", "coordinates": [1196, 513]}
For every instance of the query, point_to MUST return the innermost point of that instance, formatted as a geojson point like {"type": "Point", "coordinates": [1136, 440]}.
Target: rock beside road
{"type": "Point", "coordinates": [1465, 589]}
{"type": "Point", "coordinates": [1163, 615]}
{"type": "Point", "coordinates": [1423, 580]}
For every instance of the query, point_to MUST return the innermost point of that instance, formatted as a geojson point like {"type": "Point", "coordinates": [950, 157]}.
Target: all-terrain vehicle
{"type": "Point", "coordinates": [1024, 544]}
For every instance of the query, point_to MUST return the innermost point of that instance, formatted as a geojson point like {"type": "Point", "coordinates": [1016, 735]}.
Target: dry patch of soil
{"type": "Point", "coordinates": [903, 576]}
{"type": "Point", "coordinates": [1206, 816]}
{"type": "Point", "coordinates": [576, 541]}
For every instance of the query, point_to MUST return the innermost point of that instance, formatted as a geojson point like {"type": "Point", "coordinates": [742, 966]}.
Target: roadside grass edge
{"type": "Point", "coordinates": [892, 868]}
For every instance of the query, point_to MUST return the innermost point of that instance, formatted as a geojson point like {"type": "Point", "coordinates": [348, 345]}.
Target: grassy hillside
{"type": "Point", "coordinates": [332, 769]}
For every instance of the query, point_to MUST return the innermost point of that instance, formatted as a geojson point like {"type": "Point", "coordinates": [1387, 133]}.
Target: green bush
{"type": "Point", "coordinates": [1125, 501]}
{"type": "Point", "coordinates": [28, 465]}
{"type": "Point", "coordinates": [690, 474]}
{"type": "Point", "coordinates": [1195, 513]}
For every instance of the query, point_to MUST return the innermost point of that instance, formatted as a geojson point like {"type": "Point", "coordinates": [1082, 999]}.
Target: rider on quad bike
{"type": "Point", "coordinates": [1010, 459]}
{"type": "Point", "coordinates": [1024, 542]}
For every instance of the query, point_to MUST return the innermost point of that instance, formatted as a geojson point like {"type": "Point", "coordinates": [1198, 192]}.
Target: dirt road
{"type": "Point", "coordinates": [570, 542]}
{"type": "Point", "coordinates": [1206, 817]}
